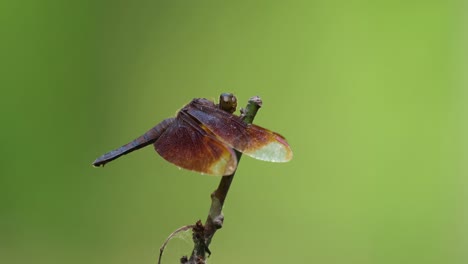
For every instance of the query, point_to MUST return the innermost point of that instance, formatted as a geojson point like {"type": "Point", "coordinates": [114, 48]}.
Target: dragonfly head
{"type": "Point", "coordinates": [227, 102]}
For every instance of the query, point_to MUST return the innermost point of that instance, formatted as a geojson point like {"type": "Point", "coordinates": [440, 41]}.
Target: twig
{"type": "Point", "coordinates": [181, 229]}
{"type": "Point", "coordinates": [215, 216]}
{"type": "Point", "coordinates": [202, 235]}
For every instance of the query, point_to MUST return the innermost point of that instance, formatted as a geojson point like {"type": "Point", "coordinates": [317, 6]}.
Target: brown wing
{"type": "Point", "coordinates": [252, 140]}
{"type": "Point", "coordinates": [187, 145]}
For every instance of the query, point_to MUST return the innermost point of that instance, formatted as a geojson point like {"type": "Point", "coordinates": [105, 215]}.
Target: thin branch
{"type": "Point", "coordinates": [202, 237]}
{"type": "Point", "coordinates": [173, 234]}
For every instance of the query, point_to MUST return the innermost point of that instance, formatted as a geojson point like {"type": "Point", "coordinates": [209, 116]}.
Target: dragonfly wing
{"type": "Point", "coordinates": [187, 145]}
{"type": "Point", "coordinates": [252, 140]}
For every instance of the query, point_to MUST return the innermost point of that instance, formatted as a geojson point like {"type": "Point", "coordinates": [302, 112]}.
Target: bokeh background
{"type": "Point", "coordinates": [370, 94]}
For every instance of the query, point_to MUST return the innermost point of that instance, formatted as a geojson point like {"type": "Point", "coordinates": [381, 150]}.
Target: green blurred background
{"type": "Point", "coordinates": [370, 94]}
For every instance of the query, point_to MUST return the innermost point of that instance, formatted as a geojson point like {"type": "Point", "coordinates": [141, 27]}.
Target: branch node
{"type": "Point", "coordinates": [218, 221]}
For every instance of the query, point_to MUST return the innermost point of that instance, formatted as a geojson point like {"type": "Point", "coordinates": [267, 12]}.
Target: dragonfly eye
{"type": "Point", "coordinates": [228, 102]}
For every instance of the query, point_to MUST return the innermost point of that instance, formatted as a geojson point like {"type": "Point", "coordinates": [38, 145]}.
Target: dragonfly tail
{"type": "Point", "coordinates": [146, 139]}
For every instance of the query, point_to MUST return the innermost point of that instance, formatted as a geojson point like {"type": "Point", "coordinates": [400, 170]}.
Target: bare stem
{"type": "Point", "coordinates": [202, 237]}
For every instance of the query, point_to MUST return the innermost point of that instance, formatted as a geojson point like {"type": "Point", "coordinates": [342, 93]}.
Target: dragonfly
{"type": "Point", "coordinates": [203, 138]}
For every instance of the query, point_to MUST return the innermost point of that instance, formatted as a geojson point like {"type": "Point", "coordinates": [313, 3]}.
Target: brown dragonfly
{"type": "Point", "coordinates": [203, 136]}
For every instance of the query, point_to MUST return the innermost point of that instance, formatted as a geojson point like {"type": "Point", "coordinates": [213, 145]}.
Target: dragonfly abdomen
{"type": "Point", "coordinates": [146, 139]}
